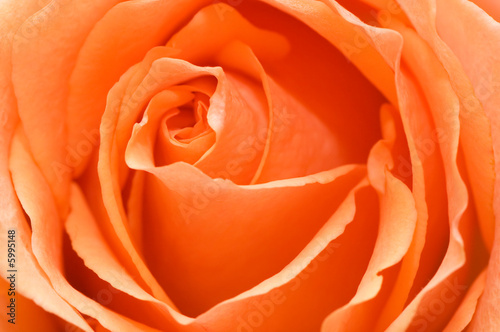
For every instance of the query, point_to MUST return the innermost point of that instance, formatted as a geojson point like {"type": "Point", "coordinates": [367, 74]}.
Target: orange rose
{"type": "Point", "coordinates": [250, 165]}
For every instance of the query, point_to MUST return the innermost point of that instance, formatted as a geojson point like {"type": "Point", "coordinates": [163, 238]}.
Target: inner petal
{"type": "Point", "coordinates": [174, 126]}
{"type": "Point", "coordinates": [307, 92]}
{"type": "Point", "coordinates": [190, 122]}
{"type": "Point", "coordinates": [328, 84]}
{"type": "Point", "coordinates": [184, 134]}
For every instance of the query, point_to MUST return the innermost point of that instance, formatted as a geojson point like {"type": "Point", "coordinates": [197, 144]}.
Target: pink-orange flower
{"type": "Point", "coordinates": [250, 165]}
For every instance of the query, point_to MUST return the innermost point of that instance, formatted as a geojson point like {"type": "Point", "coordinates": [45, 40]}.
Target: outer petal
{"type": "Point", "coordinates": [47, 46]}
{"type": "Point", "coordinates": [464, 314]}
{"type": "Point", "coordinates": [37, 288]}
{"type": "Point", "coordinates": [389, 45]}
{"type": "Point", "coordinates": [330, 267]}
{"type": "Point", "coordinates": [460, 218]}
{"type": "Point", "coordinates": [92, 248]}
{"type": "Point", "coordinates": [370, 49]}
{"type": "Point", "coordinates": [475, 127]}
{"type": "Point", "coordinates": [492, 7]}
{"type": "Point", "coordinates": [397, 225]}
{"type": "Point", "coordinates": [30, 317]}
{"type": "Point", "coordinates": [478, 50]}
{"type": "Point", "coordinates": [34, 195]}
{"type": "Point", "coordinates": [207, 258]}
{"type": "Point", "coordinates": [330, 85]}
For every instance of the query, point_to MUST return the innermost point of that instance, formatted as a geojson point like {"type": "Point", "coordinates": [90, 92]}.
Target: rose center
{"type": "Point", "coordinates": [190, 122]}
{"type": "Point", "coordinates": [184, 133]}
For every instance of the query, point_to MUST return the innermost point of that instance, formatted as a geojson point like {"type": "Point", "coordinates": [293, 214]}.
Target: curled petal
{"type": "Point", "coordinates": [284, 301]}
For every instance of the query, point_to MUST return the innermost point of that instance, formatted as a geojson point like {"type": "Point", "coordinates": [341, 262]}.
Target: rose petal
{"type": "Point", "coordinates": [206, 258]}
{"type": "Point", "coordinates": [232, 127]}
{"type": "Point", "coordinates": [386, 10]}
{"type": "Point", "coordinates": [388, 46]}
{"type": "Point", "coordinates": [396, 228]}
{"type": "Point", "coordinates": [39, 319]}
{"type": "Point", "coordinates": [330, 267]}
{"type": "Point", "coordinates": [34, 194]}
{"type": "Point", "coordinates": [308, 147]}
{"type": "Point", "coordinates": [370, 49]}
{"type": "Point", "coordinates": [90, 186]}
{"type": "Point", "coordinates": [477, 50]}
{"type": "Point", "coordinates": [236, 120]}
{"type": "Point", "coordinates": [216, 26]}
{"type": "Point", "coordinates": [297, 142]}
{"type": "Point", "coordinates": [463, 315]}
{"type": "Point", "coordinates": [329, 85]}
{"type": "Point", "coordinates": [153, 131]}
{"type": "Point", "coordinates": [475, 127]}
{"type": "Point", "coordinates": [92, 248]}
{"type": "Point", "coordinates": [120, 39]}
{"type": "Point", "coordinates": [390, 152]}
{"type": "Point", "coordinates": [36, 288]}
{"type": "Point", "coordinates": [46, 46]}
{"type": "Point", "coordinates": [428, 246]}
{"type": "Point", "coordinates": [134, 209]}
{"type": "Point", "coordinates": [491, 7]}
{"type": "Point", "coordinates": [231, 43]}
{"type": "Point", "coordinates": [457, 191]}
{"type": "Point", "coordinates": [110, 177]}
{"type": "Point", "coordinates": [397, 224]}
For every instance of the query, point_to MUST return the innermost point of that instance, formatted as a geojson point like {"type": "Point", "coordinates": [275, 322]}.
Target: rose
{"type": "Point", "coordinates": [215, 183]}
